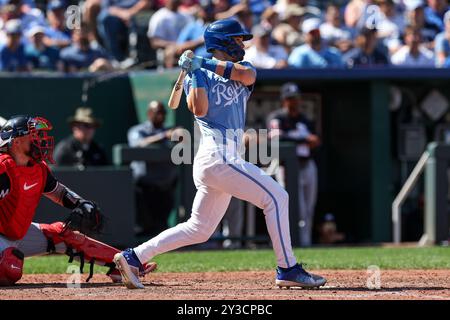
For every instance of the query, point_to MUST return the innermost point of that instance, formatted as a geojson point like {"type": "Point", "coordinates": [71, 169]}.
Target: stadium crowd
{"type": "Point", "coordinates": [102, 35]}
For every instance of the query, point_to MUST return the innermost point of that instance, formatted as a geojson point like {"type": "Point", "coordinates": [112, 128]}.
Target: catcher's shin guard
{"type": "Point", "coordinates": [80, 246]}
{"type": "Point", "coordinates": [11, 266]}
{"type": "Point", "coordinates": [85, 249]}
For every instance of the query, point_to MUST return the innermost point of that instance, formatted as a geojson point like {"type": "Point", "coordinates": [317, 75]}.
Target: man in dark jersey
{"type": "Point", "coordinates": [290, 124]}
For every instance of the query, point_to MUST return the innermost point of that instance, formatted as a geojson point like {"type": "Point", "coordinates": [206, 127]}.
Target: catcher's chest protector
{"type": "Point", "coordinates": [18, 207]}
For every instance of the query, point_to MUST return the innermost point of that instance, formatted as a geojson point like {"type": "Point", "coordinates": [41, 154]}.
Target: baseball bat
{"type": "Point", "coordinates": [175, 96]}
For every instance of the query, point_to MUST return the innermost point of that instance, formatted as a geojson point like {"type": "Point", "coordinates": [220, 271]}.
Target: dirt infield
{"type": "Point", "coordinates": [342, 285]}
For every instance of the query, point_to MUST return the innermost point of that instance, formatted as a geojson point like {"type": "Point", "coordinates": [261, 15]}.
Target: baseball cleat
{"type": "Point", "coordinates": [296, 276]}
{"type": "Point", "coordinates": [130, 267]}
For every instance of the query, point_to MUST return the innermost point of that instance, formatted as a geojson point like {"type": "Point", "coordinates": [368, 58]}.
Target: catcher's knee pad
{"type": "Point", "coordinates": [11, 266]}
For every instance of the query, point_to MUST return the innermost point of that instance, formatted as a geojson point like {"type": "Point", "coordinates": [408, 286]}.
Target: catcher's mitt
{"type": "Point", "coordinates": [86, 218]}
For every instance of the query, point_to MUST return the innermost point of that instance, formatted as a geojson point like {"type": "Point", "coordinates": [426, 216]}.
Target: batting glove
{"type": "Point", "coordinates": [185, 62]}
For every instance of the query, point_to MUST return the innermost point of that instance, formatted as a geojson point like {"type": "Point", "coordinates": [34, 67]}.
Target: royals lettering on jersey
{"type": "Point", "coordinates": [227, 101]}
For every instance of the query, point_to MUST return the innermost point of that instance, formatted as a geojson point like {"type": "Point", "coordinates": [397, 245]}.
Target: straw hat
{"type": "Point", "coordinates": [86, 116]}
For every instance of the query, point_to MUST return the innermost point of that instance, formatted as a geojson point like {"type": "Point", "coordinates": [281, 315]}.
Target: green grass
{"type": "Point", "coordinates": [243, 260]}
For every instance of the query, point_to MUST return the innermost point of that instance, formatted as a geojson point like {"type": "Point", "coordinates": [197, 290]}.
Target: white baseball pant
{"type": "Point", "coordinates": [216, 181]}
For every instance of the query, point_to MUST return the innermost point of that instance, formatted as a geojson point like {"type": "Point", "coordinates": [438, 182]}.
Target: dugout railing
{"type": "Point", "coordinates": [434, 162]}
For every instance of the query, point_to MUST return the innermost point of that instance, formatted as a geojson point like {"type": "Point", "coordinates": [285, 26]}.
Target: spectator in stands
{"type": "Point", "coordinates": [263, 54]}
{"type": "Point", "coordinates": [245, 18]}
{"type": "Point", "coordinates": [80, 149]}
{"type": "Point", "coordinates": [225, 9]}
{"type": "Point", "coordinates": [435, 11]}
{"type": "Point", "coordinates": [415, 16]}
{"type": "Point", "coordinates": [155, 183]}
{"type": "Point", "coordinates": [91, 11]}
{"type": "Point", "coordinates": [164, 27]}
{"type": "Point", "coordinates": [12, 53]}
{"type": "Point", "coordinates": [390, 25]}
{"type": "Point", "coordinates": [114, 22]}
{"type": "Point", "coordinates": [366, 53]}
{"type": "Point", "coordinates": [357, 13]}
{"type": "Point", "coordinates": [334, 32]}
{"type": "Point", "coordinates": [80, 56]}
{"type": "Point", "coordinates": [288, 33]}
{"type": "Point", "coordinates": [290, 124]}
{"type": "Point", "coordinates": [309, 10]}
{"type": "Point", "coordinates": [57, 33]}
{"type": "Point", "coordinates": [270, 18]}
{"type": "Point", "coordinates": [28, 18]}
{"type": "Point", "coordinates": [191, 37]}
{"type": "Point", "coordinates": [257, 7]}
{"type": "Point", "coordinates": [314, 53]}
{"type": "Point", "coordinates": [41, 56]}
{"type": "Point", "coordinates": [442, 43]}
{"type": "Point", "coordinates": [413, 54]}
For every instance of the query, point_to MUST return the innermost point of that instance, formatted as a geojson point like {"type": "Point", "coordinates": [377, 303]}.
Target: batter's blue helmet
{"type": "Point", "coordinates": [219, 35]}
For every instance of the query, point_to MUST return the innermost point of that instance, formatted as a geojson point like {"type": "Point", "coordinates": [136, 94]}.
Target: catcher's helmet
{"type": "Point", "coordinates": [41, 143]}
{"type": "Point", "coordinates": [219, 35]}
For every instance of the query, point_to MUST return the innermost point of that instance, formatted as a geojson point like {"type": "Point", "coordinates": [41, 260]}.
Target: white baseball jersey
{"type": "Point", "coordinates": [220, 173]}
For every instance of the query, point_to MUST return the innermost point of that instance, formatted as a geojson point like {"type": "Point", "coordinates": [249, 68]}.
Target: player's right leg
{"type": "Point", "coordinates": [246, 181]}
{"type": "Point", "coordinates": [207, 210]}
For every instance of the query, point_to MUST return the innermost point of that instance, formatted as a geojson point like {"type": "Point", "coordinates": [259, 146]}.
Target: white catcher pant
{"type": "Point", "coordinates": [216, 181]}
{"type": "Point", "coordinates": [33, 244]}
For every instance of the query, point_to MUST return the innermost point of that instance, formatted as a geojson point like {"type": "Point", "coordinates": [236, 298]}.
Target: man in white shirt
{"type": "Point", "coordinates": [413, 54]}
{"type": "Point", "coordinates": [334, 32]}
{"type": "Point", "coordinates": [389, 24]}
{"type": "Point", "coordinates": [264, 55]}
{"type": "Point", "coordinates": [163, 30]}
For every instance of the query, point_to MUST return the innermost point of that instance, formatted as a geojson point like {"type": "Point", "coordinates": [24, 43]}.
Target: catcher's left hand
{"type": "Point", "coordinates": [86, 218]}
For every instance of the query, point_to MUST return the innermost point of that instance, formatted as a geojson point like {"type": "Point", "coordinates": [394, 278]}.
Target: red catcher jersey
{"type": "Point", "coordinates": [18, 206]}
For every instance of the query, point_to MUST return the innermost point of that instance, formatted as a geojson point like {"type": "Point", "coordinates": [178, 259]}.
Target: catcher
{"type": "Point", "coordinates": [25, 147]}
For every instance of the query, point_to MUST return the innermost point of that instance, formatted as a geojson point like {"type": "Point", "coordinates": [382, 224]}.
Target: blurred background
{"type": "Point", "coordinates": [364, 81]}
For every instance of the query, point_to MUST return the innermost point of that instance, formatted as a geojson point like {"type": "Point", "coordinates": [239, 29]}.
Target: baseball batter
{"type": "Point", "coordinates": [217, 91]}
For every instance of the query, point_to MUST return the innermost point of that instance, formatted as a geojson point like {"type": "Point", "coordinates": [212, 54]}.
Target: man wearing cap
{"type": "Point", "coordinates": [442, 43]}
{"type": "Point", "coordinates": [289, 124]}
{"type": "Point", "coordinates": [57, 34]}
{"type": "Point", "coordinates": [314, 53]}
{"type": "Point", "coordinates": [288, 33]}
{"type": "Point", "coordinates": [367, 53]}
{"type": "Point", "coordinates": [80, 149]}
{"type": "Point", "coordinates": [262, 54]}
{"type": "Point", "coordinates": [41, 56]}
{"type": "Point", "coordinates": [12, 53]}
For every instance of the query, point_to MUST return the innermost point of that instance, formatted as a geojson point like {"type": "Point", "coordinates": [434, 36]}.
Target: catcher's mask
{"type": "Point", "coordinates": [42, 144]}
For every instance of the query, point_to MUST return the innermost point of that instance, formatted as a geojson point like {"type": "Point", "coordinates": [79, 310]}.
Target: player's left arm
{"type": "Point", "coordinates": [242, 72]}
